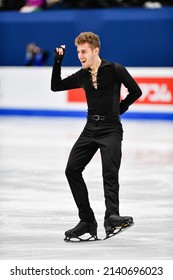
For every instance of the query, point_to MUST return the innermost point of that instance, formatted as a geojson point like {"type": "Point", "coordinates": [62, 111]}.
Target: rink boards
{"type": "Point", "coordinates": [26, 91]}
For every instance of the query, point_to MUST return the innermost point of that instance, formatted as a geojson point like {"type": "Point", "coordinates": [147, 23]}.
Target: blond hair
{"type": "Point", "coordinates": [88, 37]}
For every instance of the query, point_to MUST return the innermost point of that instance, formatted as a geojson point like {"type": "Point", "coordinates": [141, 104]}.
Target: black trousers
{"type": "Point", "coordinates": [106, 136]}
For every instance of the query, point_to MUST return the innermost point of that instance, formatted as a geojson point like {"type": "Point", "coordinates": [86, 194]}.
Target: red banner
{"type": "Point", "coordinates": [154, 91]}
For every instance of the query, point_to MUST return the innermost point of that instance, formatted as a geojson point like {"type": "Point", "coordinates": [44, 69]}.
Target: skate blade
{"type": "Point", "coordinates": [118, 230]}
{"type": "Point", "coordinates": [79, 239]}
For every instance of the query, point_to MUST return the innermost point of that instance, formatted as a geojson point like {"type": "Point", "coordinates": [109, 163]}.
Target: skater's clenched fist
{"type": "Point", "coordinates": [59, 53]}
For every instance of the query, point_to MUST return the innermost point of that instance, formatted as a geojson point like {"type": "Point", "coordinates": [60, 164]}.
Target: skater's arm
{"type": "Point", "coordinates": [57, 83]}
{"type": "Point", "coordinates": [133, 88]}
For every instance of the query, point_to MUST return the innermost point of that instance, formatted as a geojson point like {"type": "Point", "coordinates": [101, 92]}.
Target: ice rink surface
{"type": "Point", "coordinates": [36, 205]}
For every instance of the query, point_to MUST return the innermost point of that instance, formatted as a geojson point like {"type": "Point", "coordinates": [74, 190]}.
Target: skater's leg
{"type": "Point", "coordinates": [110, 147]}
{"type": "Point", "coordinates": [80, 155]}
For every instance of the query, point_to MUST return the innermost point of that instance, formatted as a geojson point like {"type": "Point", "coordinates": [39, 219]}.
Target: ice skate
{"type": "Point", "coordinates": [82, 228]}
{"type": "Point", "coordinates": [115, 224]}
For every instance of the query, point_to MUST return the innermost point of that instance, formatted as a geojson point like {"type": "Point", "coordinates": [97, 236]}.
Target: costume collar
{"type": "Point", "coordinates": [103, 64]}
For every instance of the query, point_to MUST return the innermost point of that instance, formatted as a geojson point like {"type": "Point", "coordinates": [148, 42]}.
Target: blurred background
{"type": "Point", "coordinates": [135, 33]}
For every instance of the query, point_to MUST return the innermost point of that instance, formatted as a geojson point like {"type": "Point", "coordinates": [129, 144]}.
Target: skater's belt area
{"type": "Point", "coordinates": [96, 117]}
{"type": "Point", "coordinates": [101, 118]}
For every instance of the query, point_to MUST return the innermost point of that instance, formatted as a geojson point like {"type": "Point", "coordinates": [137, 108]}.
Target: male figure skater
{"type": "Point", "coordinates": [101, 81]}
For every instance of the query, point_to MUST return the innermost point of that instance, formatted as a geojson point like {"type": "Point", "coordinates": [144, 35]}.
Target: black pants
{"type": "Point", "coordinates": [107, 137]}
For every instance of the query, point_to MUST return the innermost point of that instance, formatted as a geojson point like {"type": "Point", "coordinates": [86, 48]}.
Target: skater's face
{"type": "Point", "coordinates": [87, 54]}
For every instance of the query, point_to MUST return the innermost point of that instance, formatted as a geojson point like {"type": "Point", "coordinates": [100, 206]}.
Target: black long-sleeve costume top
{"type": "Point", "coordinates": [106, 98]}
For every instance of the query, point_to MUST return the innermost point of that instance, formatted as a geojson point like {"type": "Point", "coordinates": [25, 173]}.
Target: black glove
{"type": "Point", "coordinates": [59, 57]}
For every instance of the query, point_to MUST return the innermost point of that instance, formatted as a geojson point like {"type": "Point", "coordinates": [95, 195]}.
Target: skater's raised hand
{"type": "Point", "coordinates": [59, 53]}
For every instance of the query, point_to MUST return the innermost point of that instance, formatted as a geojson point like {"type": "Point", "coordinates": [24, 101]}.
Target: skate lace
{"type": "Point", "coordinates": [117, 218]}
